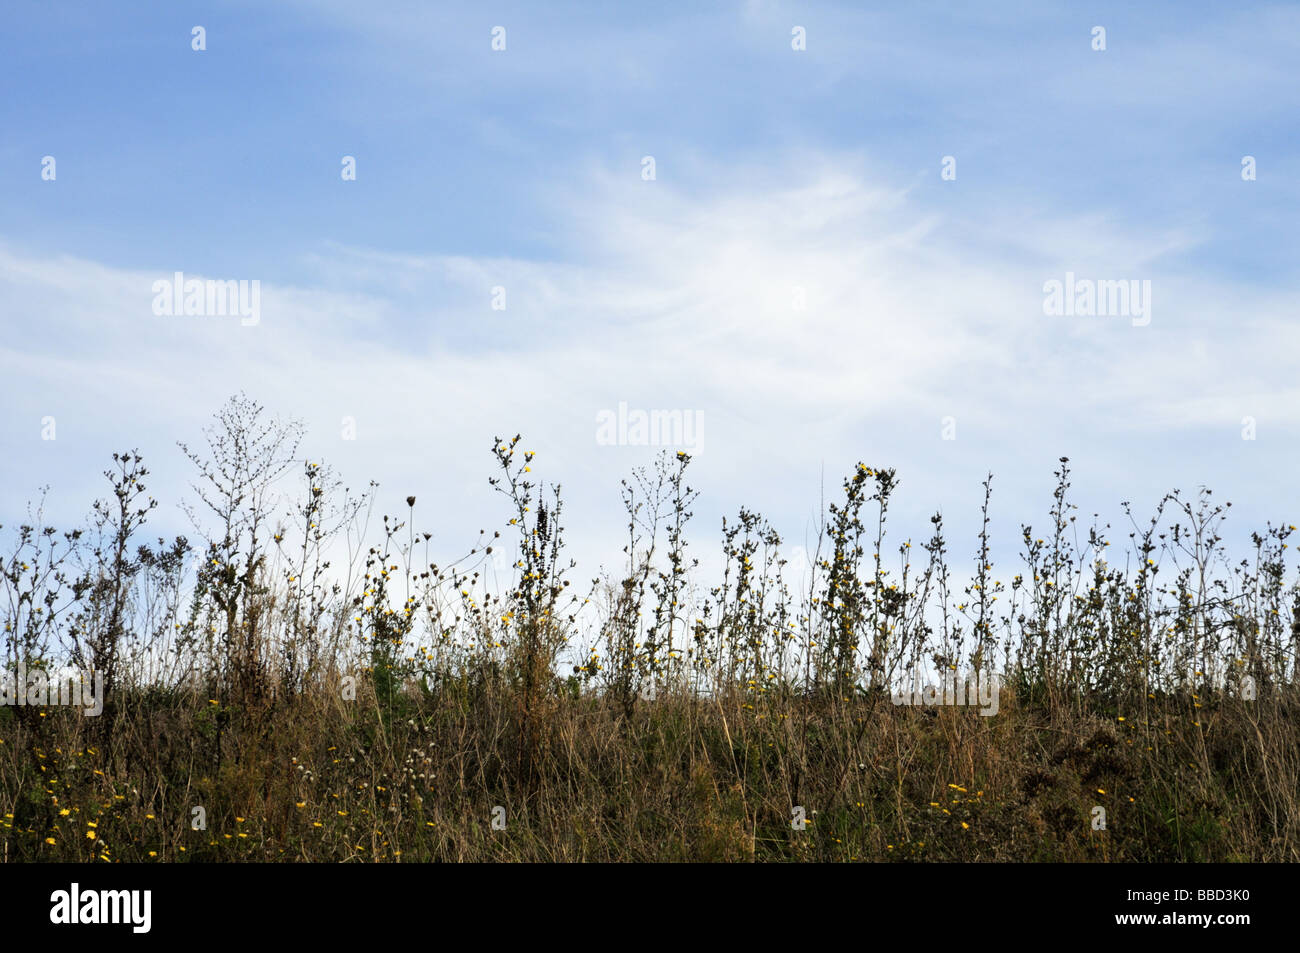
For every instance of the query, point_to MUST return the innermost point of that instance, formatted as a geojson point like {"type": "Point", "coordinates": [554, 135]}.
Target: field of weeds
{"type": "Point", "coordinates": [261, 698]}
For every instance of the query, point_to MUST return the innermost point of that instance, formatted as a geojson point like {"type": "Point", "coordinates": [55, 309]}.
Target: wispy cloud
{"type": "Point", "coordinates": [812, 315]}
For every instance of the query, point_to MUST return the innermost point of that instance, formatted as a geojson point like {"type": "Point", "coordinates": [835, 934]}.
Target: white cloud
{"type": "Point", "coordinates": [672, 299]}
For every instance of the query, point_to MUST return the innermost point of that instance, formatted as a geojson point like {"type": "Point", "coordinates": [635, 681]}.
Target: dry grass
{"type": "Point", "coordinates": [400, 710]}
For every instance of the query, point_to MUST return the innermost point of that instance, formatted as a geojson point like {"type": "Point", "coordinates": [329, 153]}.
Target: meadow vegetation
{"type": "Point", "coordinates": [303, 682]}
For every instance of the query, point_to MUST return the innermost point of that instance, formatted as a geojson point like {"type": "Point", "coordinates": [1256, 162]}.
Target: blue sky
{"type": "Point", "coordinates": [775, 169]}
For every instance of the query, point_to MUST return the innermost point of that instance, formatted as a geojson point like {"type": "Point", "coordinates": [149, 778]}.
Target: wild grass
{"type": "Point", "coordinates": [304, 684]}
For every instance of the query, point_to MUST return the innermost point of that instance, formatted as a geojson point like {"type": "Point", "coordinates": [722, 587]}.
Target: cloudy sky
{"type": "Point", "coordinates": [799, 272]}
